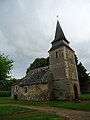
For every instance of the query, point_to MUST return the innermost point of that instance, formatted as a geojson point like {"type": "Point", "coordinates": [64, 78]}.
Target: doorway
{"type": "Point", "coordinates": [75, 92]}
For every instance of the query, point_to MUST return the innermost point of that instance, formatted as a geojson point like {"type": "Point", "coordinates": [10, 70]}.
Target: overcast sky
{"type": "Point", "coordinates": [27, 28]}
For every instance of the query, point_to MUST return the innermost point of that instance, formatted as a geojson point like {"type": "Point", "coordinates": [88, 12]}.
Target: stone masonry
{"type": "Point", "coordinates": [58, 81]}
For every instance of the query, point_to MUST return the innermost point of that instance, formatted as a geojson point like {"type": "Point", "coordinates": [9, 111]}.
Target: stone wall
{"type": "Point", "coordinates": [61, 85]}
{"type": "Point", "coordinates": [61, 90]}
{"type": "Point", "coordinates": [63, 68]}
{"type": "Point", "coordinates": [72, 71]}
{"type": "Point", "coordinates": [57, 64]}
{"type": "Point", "coordinates": [38, 92]}
{"type": "Point", "coordinates": [37, 83]}
{"type": "Point", "coordinates": [14, 90]}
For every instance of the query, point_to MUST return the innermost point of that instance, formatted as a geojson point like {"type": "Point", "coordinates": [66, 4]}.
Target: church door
{"type": "Point", "coordinates": [75, 92]}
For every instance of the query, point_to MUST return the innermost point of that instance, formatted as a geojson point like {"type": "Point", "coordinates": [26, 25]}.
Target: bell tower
{"type": "Point", "coordinates": [63, 68]}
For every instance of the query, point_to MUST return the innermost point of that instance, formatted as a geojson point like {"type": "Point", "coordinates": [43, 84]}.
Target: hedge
{"type": "Point", "coordinates": [5, 93]}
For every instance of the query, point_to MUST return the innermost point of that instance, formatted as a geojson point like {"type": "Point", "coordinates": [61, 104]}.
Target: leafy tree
{"type": "Point", "coordinates": [76, 59]}
{"type": "Point", "coordinates": [82, 74]}
{"type": "Point", "coordinates": [6, 84]}
{"type": "Point", "coordinates": [38, 62]}
{"type": "Point", "coordinates": [6, 65]}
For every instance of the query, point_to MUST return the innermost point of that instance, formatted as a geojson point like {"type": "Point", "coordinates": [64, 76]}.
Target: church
{"type": "Point", "coordinates": [57, 81]}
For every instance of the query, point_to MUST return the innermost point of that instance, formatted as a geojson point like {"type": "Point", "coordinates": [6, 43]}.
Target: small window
{"type": "Point", "coordinates": [25, 89]}
{"type": "Point", "coordinates": [56, 54]}
{"type": "Point", "coordinates": [16, 88]}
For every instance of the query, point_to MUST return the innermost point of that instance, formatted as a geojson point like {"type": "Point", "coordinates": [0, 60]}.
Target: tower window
{"type": "Point", "coordinates": [56, 54]}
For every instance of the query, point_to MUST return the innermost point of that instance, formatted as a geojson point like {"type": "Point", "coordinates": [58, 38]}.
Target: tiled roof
{"type": "Point", "coordinates": [37, 76]}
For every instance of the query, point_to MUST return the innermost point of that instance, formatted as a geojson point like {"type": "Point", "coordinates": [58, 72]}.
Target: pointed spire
{"type": "Point", "coordinates": [59, 35]}
{"type": "Point", "coordinates": [60, 39]}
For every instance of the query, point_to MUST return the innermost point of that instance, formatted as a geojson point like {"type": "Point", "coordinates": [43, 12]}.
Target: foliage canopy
{"type": "Point", "coordinates": [6, 65]}
{"type": "Point", "coordinates": [38, 62]}
{"type": "Point", "coordinates": [82, 74]}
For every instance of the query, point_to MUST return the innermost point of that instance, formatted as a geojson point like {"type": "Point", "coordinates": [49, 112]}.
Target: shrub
{"type": "Point", "coordinates": [5, 93]}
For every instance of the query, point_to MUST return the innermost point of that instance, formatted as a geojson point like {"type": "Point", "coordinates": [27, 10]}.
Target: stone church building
{"type": "Point", "coordinates": [58, 81]}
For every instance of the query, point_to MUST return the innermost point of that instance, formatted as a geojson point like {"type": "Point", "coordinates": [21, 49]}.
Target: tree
{"type": "Point", "coordinates": [6, 65]}
{"type": "Point", "coordinates": [6, 84]}
{"type": "Point", "coordinates": [82, 74]}
{"type": "Point", "coordinates": [76, 59]}
{"type": "Point", "coordinates": [38, 62]}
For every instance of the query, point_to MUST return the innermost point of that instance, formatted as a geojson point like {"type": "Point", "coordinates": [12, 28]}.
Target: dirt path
{"type": "Point", "coordinates": [66, 113]}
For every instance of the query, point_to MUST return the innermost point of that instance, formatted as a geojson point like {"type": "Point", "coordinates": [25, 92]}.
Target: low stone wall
{"type": "Point", "coordinates": [38, 92]}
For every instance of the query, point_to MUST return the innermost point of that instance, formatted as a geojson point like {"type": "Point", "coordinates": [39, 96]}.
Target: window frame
{"type": "Point", "coordinates": [16, 88]}
{"type": "Point", "coordinates": [25, 89]}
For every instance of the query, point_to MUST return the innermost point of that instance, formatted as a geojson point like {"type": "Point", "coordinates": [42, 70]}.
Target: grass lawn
{"type": "Point", "coordinates": [9, 110]}
{"type": "Point", "coordinates": [63, 104]}
{"type": "Point", "coordinates": [20, 113]}
{"type": "Point", "coordinates": [85, 96]}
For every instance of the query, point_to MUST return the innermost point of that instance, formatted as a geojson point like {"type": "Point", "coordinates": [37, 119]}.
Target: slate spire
{"type": "Point", "coordinates": [59, 35]}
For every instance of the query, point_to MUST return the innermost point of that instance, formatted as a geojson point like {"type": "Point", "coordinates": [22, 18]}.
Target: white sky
{"type": "Point", "coordinates": [27, 28]}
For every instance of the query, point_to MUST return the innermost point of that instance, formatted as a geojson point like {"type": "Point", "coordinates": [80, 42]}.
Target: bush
{"type": "Point", "coordinates": [5, 93]}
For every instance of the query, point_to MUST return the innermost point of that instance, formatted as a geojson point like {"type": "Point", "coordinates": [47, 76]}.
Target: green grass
{"type": "Point", "coordinates": [20, 113]}
{"type": "Point", "coordinates": [64, 104]}
{"type": "Point", "coordinates": [9, 110]}
{"type": "Point", "coordinates": [85, 96]}
{"type": "Point", "coordinates": [6, 100]}
{"type": "Point", "coordinates": [71, 105]}
{"type": "Point", "coordinates": [34, 116]}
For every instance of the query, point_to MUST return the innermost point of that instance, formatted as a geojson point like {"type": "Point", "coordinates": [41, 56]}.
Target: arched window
{"type": "Point", "coordinates": [26, 89]}
{"type": "Point", "coordinates": [16, 88]}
